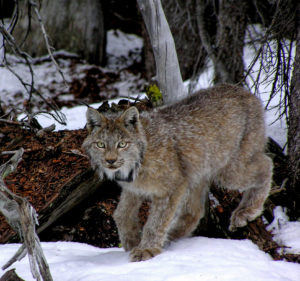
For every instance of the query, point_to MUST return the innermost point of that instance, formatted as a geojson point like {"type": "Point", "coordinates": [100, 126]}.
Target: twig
{"type": "Point", "coordinates": [29, 87]}
{"type": "Point", "coordinates": [20, 254]}
{"type": "Point", "coordinates": [203, 34]}
{"type": "Point", "coordinates": [277, 189]}
{"type": "Point", "coordinates": [76, 152]}
{"type": "Point", "coordinates": [10, 122]}
{"type": "Point", "coordinates": [11, 41]}
{"type": "Point", "coordinates": [34, 5]}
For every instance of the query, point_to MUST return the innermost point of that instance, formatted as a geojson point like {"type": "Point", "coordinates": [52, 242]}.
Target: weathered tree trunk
{"type": "Point", "coordinates": [230, 40]}
{"type": "Point", "coordinates": [75, 26]}
{"type": "Point", "coordinates": [168, 73]}
{"type": "Point", "coordinates": [181, 18]}
{"type": "Point", "coordinates": [226, 50]}
{"type": "Point", "coordinates": [294, 129]}
{"type": "Point", "coordinates": [1, 49]}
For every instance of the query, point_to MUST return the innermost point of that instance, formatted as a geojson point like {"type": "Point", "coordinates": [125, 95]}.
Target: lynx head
{"type": "Point", "coordinates": [115, 144]}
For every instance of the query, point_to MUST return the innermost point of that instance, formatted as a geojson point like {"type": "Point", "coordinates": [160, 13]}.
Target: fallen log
{"type": "Point", "coordinates": [72, 194]}
{"type": "Point", "coordinates": [75, 191]}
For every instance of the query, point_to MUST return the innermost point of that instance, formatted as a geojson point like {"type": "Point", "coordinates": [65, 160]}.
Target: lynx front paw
{"type": "Point", "coordinates": [138, 254]}
{"type": "Point", "coordinates": [240, 218]}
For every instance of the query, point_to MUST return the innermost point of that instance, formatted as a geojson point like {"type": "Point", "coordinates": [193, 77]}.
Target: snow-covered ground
{"type": "Point", "coordinates": [286, 233]}
{"type": "Point", "coordinates": [197, 258]}
{"type": "Point", "coordinates": [122, 50]}
{"type": "Point", "coordinates": [189, 259]}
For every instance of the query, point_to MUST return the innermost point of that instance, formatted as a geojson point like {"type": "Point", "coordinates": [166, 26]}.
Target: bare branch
{"type": "Point", "coordinates": [46, 39]}
{"type": "Point", "coordinates": [29, 87]}
{"type": "Point", "coordinates": [275, 59]}
{"type": "Point", "coordinates": [206, 41]}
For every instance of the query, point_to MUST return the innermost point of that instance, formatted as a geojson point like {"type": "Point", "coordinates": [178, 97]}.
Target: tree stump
{"type": "Point", "coordinates": [11, 275]}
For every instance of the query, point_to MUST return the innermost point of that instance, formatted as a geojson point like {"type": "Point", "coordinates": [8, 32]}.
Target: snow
{"type": "Point", "coordinates": [285, 232]}
{"type": "Point", "coordinates": [75, 116]}
{"type": "Point", "coordinates": [46, 77]}
{"type": "Point", "coordinates": [197, 258]}
{"type": "Point", "coordinates": [277, 128]}
{"type": "Point", "coordinates": [123, 49]}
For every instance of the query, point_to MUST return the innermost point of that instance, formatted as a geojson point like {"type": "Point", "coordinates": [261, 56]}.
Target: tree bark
{"type": "Point", "coordinates": [294, 129]}
{"type": "Point", "coordinates": [75, 26]}
{"type": "Point", "coordinates": [1, 49]}
{"type": "Point", "coordinates": [72, 194]}
{"type": "Point", "coordinates": [226, 50]}
{"type": "Point", "coordinates": [181, 17]}
{"type": "Point", "coordinates": [168, 73]}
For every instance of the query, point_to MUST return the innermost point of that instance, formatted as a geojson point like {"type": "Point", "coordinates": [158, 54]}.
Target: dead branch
{"type": "Point", "coordinates": [205, 39]}
{"type": "Point", "coordinates": [34, 5]}
{"type": "Point", "coordinates": [275, 59]}
{"type": "Point", "coordinates": [8, 38]}
{"type": "Point", "coordinates": [22, 218]}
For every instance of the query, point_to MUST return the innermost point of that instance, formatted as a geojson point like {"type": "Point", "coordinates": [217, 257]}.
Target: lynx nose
{"type": "Point", "coordinates": [111, 161]}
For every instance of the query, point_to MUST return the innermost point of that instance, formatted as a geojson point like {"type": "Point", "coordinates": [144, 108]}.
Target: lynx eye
{"type": "Point", "coordinates": [101, 144]}
{"type": "Point", "coordinates": [122, 144]}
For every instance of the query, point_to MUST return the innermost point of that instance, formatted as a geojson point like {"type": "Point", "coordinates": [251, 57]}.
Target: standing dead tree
{"type": "Point", "coordinates": [22, 218]}
{"type": "Point", "coordinates": [226, 49]}
{"type": "Point", "coordinates": [294, 127]}
{"type": "Point", "coordinates": [167, 67]}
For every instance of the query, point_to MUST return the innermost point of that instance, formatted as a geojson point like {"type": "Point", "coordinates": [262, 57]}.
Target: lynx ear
{"type": "Point", "coordinates": [130, 117]}
{"type": "Point", "coordinates": [94, 118]}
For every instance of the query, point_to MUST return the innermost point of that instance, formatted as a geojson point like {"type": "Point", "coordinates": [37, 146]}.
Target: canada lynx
{"type": "Point", "coordinates": [172, 154]}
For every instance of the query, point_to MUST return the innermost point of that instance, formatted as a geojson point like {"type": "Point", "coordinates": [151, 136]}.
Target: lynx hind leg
{"type": "Point", "coordinates": [189, 212]}
{"type": "Point", "coordinates": [255, 179]}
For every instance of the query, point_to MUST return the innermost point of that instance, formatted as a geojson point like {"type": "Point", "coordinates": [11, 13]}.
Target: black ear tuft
{"type": "Point", "coordinates": [94, 118]}
{"type": "Point", "coordinates": [130, 117]}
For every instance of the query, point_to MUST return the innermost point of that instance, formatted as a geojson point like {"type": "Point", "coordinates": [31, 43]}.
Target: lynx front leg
{"type": "Point", "coordinates": [155, 230]}
{"type": "Point", "coordinates": [126, 218]}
